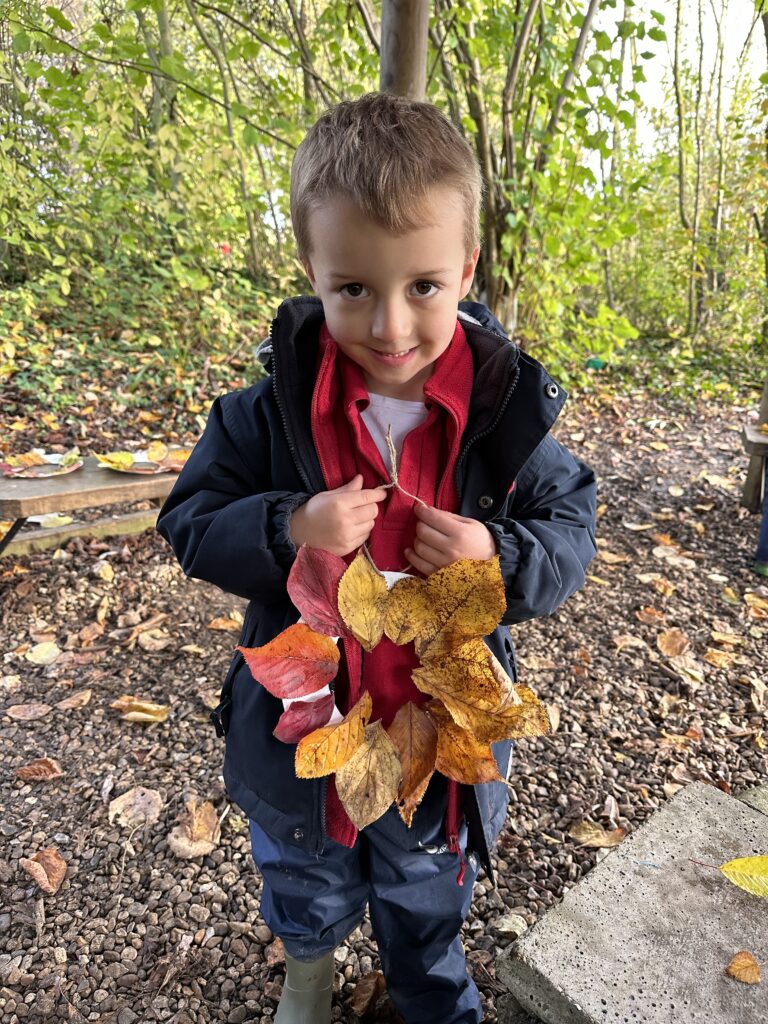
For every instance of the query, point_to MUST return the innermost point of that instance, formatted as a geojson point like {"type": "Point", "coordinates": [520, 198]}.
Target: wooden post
{"type": "Point", "coordinates": [404, 29]}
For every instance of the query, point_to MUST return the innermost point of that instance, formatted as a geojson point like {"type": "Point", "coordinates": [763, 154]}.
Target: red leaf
{"type": "Point", "coordinates": [313, 586]}
{"type": "Point", "coordinates": [302, 717]}
{"type": "Point", "coordinates": [297, 662]}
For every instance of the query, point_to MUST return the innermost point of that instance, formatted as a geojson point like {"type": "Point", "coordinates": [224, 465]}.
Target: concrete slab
{"type": "Point", "coordinates": [646, 936]}
{"type": "Point", "coordinates": [756, 797]}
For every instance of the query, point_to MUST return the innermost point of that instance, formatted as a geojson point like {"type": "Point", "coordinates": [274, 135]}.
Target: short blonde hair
{"type": "Point", "coordinates": [383, 152]}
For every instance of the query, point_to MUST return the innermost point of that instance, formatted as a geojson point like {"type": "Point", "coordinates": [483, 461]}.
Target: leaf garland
{"type": "Point", "coordinates": [446, 616]}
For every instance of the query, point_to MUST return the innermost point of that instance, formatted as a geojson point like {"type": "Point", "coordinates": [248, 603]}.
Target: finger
{"type": "Point", "coordinates": [423, 566]}
{"type": "Point", "coordinates": [434, 555]}
{"type": "Point", "coordinates": [429, 535]}
{"type": "Point", "coordinates": [372, 494]}
{"type": "Point", "coordinates": [436, 516]}
{"type": "Point", "coordinates": [363, 514]}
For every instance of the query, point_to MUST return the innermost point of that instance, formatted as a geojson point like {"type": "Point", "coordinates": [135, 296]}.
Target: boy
{"type": "Point", "coordinates": [385, 197]}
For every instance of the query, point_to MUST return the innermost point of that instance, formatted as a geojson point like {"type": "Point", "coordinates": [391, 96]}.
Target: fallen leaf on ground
{"type": "Point", "coordinates": [42, 769]}
{"type": "Point", "coordinates": [326, 750]}
{"type": "Point", "coordinates": [43, 654]}
{"type": "Point", "coordinates": [299, 661]}
{"type": "Point", "coordinates": [749, 873]}
{"type": "Point", "coordinates": [368, 781]}
{"type": "Point", "coordinates": [672, 642]}
{"type": "Point", "coordinates": [650, 616]}
{"type": "Point", "coordinates": [720, 659]}
{"type": "Point", "coordinates": [368, 990]}
{"type": "Point", "coordinates": [744, 967]}
{"type": "Point", "coordinates": [154, 640]}
{"type": "Point", "coordinates": [588, 833]}
{"type": "Point", "coordinates": [223, 623]}
{"type": "Point", "coordinates": [275, 953]}
{"type": "Point", "coordinates": [197, 833]}
{"type": "Point", "coordinates": [136, 710]}
{"type": "Point", "coordinates": [28, 712]}
{"type": "Point", "coordinates": [47, 868]}
{"type": "Point", "coordinates": [75, 700]}
{"type": "Point", "coordinates": [137, 806]}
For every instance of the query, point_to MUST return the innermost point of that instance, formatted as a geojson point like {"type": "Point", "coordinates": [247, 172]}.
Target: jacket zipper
{"type": "Point", "coordinates": [484, 433]}
{"type": "Point", "coordinates": [288, 435]}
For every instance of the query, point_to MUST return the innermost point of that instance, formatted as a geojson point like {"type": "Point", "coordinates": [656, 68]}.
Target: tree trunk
{"type": "Point", "coordinates": [404, 29]}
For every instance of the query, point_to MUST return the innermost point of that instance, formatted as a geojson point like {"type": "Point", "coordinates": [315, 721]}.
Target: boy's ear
{"type": "Point", "coordinates": [308, 271]}
{"type": "Point", "coordinates": [468, 272]}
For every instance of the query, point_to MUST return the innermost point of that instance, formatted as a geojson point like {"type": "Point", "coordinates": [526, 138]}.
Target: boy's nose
{"type": "Point", "coordinates": [390, 323]}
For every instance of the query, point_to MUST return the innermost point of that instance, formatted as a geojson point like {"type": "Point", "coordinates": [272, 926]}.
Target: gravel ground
{"type": "Point", "coordinates": [137, 934]}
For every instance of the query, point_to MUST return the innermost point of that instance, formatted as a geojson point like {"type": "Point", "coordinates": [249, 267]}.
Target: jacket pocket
{"type": "Point", "coordinates": [221, 713]}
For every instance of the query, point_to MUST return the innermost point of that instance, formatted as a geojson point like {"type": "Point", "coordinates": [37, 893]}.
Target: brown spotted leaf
{"type": "Point", "coordinates": [672, 642]}
{"type": "Point", "coordinates": [470, 680]}
{"type": "Point", "coordinates": [459, 755]}
{"type": "Point", "coordinates": [299, 661]}
{"type": "Point", "coordinates": [415, 738]}
{"type": "Point", "coordinates": [368, 781]}
{"type": "Point", "coordinates": [326, 750]}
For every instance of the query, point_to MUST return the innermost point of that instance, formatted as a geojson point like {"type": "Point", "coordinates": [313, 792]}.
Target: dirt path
{"type": "Point", "coordinates": [136, 934]}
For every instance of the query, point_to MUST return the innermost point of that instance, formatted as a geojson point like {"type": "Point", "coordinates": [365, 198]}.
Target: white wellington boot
{"type": "Point", "coordinates": [307, 991]}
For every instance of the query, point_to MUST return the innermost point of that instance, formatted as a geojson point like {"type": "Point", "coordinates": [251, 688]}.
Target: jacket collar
{"type": "Point", "coordinates": [511, 391]}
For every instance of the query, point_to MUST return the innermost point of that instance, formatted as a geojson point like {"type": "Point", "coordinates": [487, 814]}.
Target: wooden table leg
{"type": "Point", "coordinates": [6, 540]}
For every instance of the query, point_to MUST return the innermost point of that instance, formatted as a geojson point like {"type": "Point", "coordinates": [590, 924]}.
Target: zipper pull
{"type": "Point", "coordinates": [453, 847]}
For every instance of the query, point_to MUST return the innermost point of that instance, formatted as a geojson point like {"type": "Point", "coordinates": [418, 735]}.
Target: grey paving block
{"type": "Point", "coordinates": [645, 937]}
{"type": "Point", "coordinates": [756, 797]}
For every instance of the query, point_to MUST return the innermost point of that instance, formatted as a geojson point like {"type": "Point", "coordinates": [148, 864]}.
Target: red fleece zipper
{"type": "Point", "coordinates": [452, 821]}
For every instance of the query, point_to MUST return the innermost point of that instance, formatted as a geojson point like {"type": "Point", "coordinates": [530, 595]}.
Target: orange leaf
{"type": "Point", "coordinates": [47, 868]}
{"type": "Point", "coordinates": [459, 755]}
{"type": "Point", "coordinates": [42, 769]}
{"type": "Point", "coordinates": [297, 662]}
{"type": "Point", "coordinates": [325, 750]}
{"type": "Point", "coordinates": [744, 968]}
{"type": "Point", "coordinates": [415, 739]}
{"type": "Point", "coordinates": [672, 642]}
{"type": "Point", "coordinates": [470, 677]}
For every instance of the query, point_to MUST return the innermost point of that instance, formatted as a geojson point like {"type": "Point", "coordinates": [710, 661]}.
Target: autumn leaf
{"type": "Point", "coordinates": [137, 806]}
{"type": "Point", "coordinates": [225, 624]}
{"type": "Point", "coordinates": [744, 967]}
{"type": "Point", "coordinates": [649, 615]}
{"type": "Point", "coordinates": [367, 783]}
{"type": "Point", "coordinates": [116, 460]}
{"type": "Point", "coordinates": [198, 832]}
{"type": "Point", "coordinates": [157, 452]}
{"type": "Point", "coordinates": [326, 750]}
{"type": "Point", "coordinates": [28, 712]}
{"type": "Point", "coordinates": [313, 587]}
{"type": "Point", "coordinates": [43, 654]}
{"type": "Point", "coordinates": [415, 738]}
{"type": "Point", "coordinates": [299, 661]}
{"type": "Point", "coordinates": [75, 700]}
{"type": "Point", "coordinates": [407, 610]}
{"type": "Point", "coordinates": [460, 602]}
{"type": "Point", "coordinates": [459, 755]}
{"type": "Point", "coordinates": [42, 769]}
{"type": "Point", "coordinates": [749, 873]}
{"type": "Point", "coordinates": [368, 990]}
{"type": "Point", "coordinates": [302, 717]}
{"type": "Point", "coordinates": [47, 868]}
{"type": "Point", "coordinates": [470, 677]}
{"type": "Point", "coordinates": [672, 642]}
{"type": "Point", "coordinates": [720, 659]}
{"type": "Point", "coordinates": [588, 833]}
{"type": "Point", "coordinates": [363, 597]}
{"type": "Point", "coordinates": [135, 710]}
{"type": "Point", "coordinates": [525, 716]}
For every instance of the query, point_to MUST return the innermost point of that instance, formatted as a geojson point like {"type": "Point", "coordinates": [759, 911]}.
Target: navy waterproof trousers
{"type": "Point", "coordinates": [417, 908]}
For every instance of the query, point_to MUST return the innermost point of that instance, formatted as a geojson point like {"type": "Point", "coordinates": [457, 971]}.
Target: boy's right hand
{"type": "Point", "coordinates": [338, 521]}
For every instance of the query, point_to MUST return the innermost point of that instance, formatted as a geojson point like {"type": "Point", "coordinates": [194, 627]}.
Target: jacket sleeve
{"type": "Point", "coordinates": [222, 519]}
{"type": "Point", "coordinates": [545, 534]}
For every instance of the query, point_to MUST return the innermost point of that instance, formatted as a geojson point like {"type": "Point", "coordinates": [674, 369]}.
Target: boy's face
{"type": "Point", "coordinates": [391, 301]}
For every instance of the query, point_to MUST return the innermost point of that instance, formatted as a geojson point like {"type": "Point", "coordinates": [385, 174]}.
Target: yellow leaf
{"type": "Point", "coordinates": [157, 451]}
{"type": "Point", "coordinates": [368, 782]}
{"type": "Point", "coordinates": [459, 602]}
{"type": "Point", "coordinates": [659, 446]}
{"type": "Point", "coordinates": [459, 755]}
{"type": "Point", "coordinates": [720, 659]}
{"type": "Point", "coordinates": [362, 601]}
{"type": "Point", "coordinates": [325, 750]}
{"type": "Point", "coordinates": [588, 833]}
{"type": "Point", "coordinates": [749, 873]}
{"type": "Point", "coordinates": [471, 677]}
{"type": "Point", "coordinates": [116, 460]}
{"type": "Point", "coordinates": [744, 968]}
{"type": "Point", "coordinates": [43, 654]}
{"type": "Point", "coordinates": [136, 710]}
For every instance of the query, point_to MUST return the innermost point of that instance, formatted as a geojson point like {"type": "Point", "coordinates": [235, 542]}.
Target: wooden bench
{"type": "Point", "coordinates": [88, 487]}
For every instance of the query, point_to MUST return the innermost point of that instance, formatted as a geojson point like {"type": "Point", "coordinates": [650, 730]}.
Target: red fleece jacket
{"type": "Point", "coordinates": [426, 469]}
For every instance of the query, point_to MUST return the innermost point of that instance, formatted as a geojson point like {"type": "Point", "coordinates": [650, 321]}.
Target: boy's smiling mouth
{"type": "Point", "coordinates": [393, 357]}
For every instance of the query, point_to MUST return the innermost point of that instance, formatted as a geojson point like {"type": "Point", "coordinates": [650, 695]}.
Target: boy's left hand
{"type": "Point", "coordinates": [444, 537]}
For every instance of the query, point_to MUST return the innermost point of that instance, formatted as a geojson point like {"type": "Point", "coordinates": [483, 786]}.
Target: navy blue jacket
{"type": "Point", "coordinates": [227, 521]}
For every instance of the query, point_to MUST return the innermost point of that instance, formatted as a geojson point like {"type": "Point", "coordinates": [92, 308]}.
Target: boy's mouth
{"type": "Point", "coordinates": [393, 357]}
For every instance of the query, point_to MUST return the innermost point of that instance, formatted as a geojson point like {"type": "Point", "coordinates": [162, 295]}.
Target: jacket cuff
{"type": "Point", "coordinates": [507, 547]}
{"type": "Point", "coordinates": [282, 546]}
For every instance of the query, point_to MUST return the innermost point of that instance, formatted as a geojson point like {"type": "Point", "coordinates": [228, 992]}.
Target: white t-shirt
{"type": "Point", "coordinates": [395, 413]}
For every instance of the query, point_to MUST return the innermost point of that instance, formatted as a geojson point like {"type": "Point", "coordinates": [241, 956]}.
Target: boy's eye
{"type": "Point", "coordinates": [425, 288]}
{"type": "Point", "coordinates": [353, 290]}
